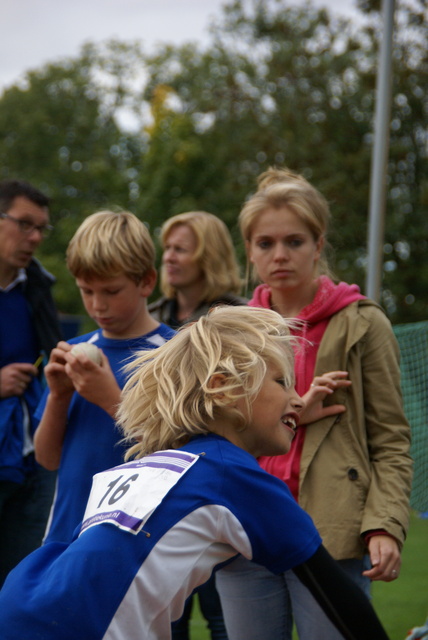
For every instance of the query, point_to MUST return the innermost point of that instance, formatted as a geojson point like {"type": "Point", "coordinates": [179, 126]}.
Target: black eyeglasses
{"type": "Point", "coordinates": [28, 227]}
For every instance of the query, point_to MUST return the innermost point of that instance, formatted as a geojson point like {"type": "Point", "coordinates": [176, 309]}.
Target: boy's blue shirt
{"type": "Point", "coordinates": [113, 584]}
{"type": "Point", "coordinates": [92, 441]}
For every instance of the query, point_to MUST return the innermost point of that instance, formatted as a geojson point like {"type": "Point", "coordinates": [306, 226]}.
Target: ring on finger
{"type": "Point", "coordinates": [394, 573]}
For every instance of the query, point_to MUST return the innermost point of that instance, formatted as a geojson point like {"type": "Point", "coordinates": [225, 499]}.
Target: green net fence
{"type": "Point", "coordinates": [413, 341]}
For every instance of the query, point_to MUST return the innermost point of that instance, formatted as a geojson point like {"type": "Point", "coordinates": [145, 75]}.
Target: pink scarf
{"type": "Point", "coordinates": [329, 299]}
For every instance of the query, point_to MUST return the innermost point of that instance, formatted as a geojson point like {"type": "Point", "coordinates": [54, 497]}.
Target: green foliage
{"type": "Point", "coordinates": [60, 132]}
{"type": "Point", "coordinates": [403, 604]}
{"type": "Point", "coordinates": [285, 85]}
{"type": "Point", "coordinates": [276, 85]}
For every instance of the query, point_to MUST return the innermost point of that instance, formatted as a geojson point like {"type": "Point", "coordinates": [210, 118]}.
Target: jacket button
{"type": "Point", "coordinates": [353, 474]}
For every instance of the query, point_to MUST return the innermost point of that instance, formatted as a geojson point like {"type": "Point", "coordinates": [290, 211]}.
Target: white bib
{"type": "Point", "coordinates": [127, 495]}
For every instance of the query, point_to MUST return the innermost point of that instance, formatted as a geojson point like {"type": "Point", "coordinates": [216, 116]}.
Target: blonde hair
{"type": "Point", "coordinates": [214, 253]}
{"type": "Point", "coordinates": [169, 396]}
{"type": "Point", "coordinates": [108, 244]}
{"type": "Point", "coordinates": [279, 188]}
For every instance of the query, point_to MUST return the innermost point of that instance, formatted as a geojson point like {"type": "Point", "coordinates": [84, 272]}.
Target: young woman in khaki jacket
{"type": "Point", "coordinates": [349, 465]}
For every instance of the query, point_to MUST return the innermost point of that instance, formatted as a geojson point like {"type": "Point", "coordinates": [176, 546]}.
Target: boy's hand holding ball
{"type": "Point", "coordinates": [97, 385]}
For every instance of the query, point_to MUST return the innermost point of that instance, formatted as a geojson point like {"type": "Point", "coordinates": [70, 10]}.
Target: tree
{"type": "Point", "coordinates": [276, 85]}
{"type": "Point", "coordinates": [60, 131]}
{"type": "Point", "coordinates": [286, 85]}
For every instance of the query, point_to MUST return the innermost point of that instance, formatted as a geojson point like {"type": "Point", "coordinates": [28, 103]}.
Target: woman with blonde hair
{"type": "Point", "coordinates": [199, 268]}
{"type": "Point", "coordinates": [199, 271]}
{"type": "Point", "coordinates": [349, 466]}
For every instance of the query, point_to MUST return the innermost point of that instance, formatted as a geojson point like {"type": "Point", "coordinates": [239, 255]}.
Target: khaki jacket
{"type": "Point", "coordinates": [356, 468]}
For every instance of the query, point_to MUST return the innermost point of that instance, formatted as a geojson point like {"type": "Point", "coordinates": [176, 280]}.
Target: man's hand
{"type": "Point", "coordinates": [15, 378]}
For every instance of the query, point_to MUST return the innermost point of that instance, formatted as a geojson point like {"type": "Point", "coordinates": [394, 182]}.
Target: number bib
{"type": "Point", "coordinates": [127, 495]}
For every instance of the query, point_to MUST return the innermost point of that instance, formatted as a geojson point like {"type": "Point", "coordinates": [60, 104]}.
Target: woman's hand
{"type": "Point", "coordinates": [385, 558]}
{"type": "Point", "coordinates": [321, 387]}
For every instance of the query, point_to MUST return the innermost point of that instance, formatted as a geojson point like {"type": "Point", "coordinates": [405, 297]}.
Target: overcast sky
{"type": "Point", "coordinates": [35, 32]}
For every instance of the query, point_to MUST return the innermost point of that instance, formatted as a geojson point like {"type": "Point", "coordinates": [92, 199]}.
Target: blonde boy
{"type": "Point", "coordinates": [222, 392]}
{"type": "Point", "coordinates": [111, 257]}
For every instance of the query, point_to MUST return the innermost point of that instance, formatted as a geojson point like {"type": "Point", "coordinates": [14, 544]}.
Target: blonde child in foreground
{"type": "Point", "coordinates": [197, 412]}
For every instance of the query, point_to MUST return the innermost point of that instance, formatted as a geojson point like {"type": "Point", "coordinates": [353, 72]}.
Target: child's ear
{"type": "Point", "coordinates": [217, 381]}
{"type": "Point", "coordinates": [147, 283]}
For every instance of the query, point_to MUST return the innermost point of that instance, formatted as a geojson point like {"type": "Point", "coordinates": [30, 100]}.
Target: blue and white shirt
{"type": "Point", "coordinates": [92, 441]}
{"type": "Point", "coordinates": [153, 530]}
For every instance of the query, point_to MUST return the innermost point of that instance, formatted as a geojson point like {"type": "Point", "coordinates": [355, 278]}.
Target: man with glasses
{"type": "Point", "coordinates": [29, 329]}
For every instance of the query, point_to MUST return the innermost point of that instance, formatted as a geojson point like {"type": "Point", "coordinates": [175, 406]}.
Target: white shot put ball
{"type": "Point", "coordinates": [89, 349]}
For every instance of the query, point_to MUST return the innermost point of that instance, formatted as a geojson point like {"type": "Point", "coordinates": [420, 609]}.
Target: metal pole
{"type": "Point", "coordinates": [380, 155]}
